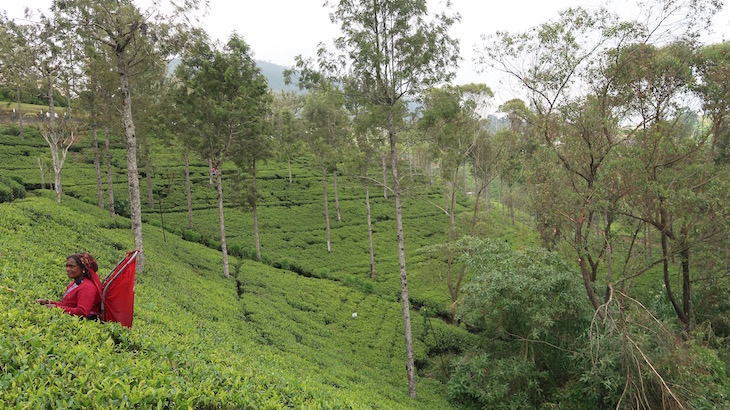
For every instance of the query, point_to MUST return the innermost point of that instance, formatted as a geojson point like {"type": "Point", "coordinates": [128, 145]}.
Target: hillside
{"type": "Point", "coordinates": [268, 338]}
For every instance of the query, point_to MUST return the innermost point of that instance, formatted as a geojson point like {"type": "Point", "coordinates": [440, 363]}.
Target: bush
{"type": "Point", "coordinates": [491, 383]}
{"type": "Point", "coordinates": [191, 235]}
{"type": "Point", "coordinates": [6, 194]}
{"type": "Point", "coordinates": [16, 187]}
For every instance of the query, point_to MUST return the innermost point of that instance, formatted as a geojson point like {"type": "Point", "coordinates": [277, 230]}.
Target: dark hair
{"type": "Point", "coordinates": [86, 261]}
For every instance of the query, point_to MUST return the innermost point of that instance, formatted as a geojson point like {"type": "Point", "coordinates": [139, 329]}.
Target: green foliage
{"type": "Point", "coordinates": [195, 342]}
{"type": "Point", "coordinates": [528, 307]}
{"type": "Point", "coordinates": [11, 188]}
{"type": "Point", "coordinates": [487, 382]}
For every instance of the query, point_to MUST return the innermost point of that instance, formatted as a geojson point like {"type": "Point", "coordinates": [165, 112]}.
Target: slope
{"type": "Point", "coordinates": [195, 343]}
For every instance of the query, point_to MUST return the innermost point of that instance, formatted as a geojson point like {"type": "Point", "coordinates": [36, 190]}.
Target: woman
{"type": "Point", "coordinates": [83, 294]}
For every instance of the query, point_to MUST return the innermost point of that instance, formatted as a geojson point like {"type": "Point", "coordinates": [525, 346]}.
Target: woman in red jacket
{"type": "Point", "coordinates": [83, 294]}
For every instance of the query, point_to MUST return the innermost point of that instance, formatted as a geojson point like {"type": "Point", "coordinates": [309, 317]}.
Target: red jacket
{"type": "Point", "coordinates": [82, 298]}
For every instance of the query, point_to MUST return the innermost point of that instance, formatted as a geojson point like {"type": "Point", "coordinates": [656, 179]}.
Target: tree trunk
{"type": "Point", "coordinates": [337, 199]}
{"type": "Point", "coordinates": [463, 177]}
{"type": "Point", "coordinates": [255, 214]}
{"type": "Point", "coordinates": [109, 176]}
{"type": "Point", "coordinates": [511, 205]}
{"type": "Point", "coordinates": [326, 209]}
{"type": "Point", "coordinates": [584, 270]}
{"type": "Point", "coordinates": [97, 165]}
{"type": "Point", "coordinates": [43, 174]}
{"type": "Point", "coordinates": [487, 194]}
{"type": "Point", "coordinates": [667, 283]}
{"type": "Point", "coordinates": [135, 205]}
{"type": "Point", "coordinates": [188, 191]}
{"type": "Point", "coordinates": [501, 194]}
{"type": "Point", "coordinates": [210, 172]}
{"type": "Point", "coordinates": [385, 178]}
{"type": "Point", "coordinates": [288, 159]}
{"type": "Point", "coordinates": [410, 366]}
{"type": "Point", "coordinates": [686, 287]}
{"type": "Point", "coordinates": [224, 248]}
{"type": "Point", "coordinates": [370, 228]}
{"type": "Point", "coordinates": [453, 290]}
{"type": "Point", "coordinates": [446, 197]}
{"type": "Point", "coordinates": [51, 138]}
{"type": "Point", "coordinates": [148, 174]}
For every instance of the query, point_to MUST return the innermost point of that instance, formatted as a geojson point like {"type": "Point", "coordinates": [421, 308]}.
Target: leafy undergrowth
{"type": "Point", "coordinates": [286, 341]}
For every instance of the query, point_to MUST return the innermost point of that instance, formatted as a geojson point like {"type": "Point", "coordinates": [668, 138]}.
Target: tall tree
{"type": "Point", "coordinates": [16, 61]}
{"type": "Point", "coordinates": [395, 51]}
{"type": "Point", "coordinates": [327, 122]}
{"type": "Point", "coordinates": [713, 67]}
{"type": "Point", "coordinates": [253, 147]}
{"type": "Point", "coordinates": [451, 123]}
{"type": "Point", "coordinates": [47, 38]}
{"type": "Point", "coordinates": [132, 36]}
{"type": "Point", "coordinates": [289, 131]}
{"type": "Point", "coordinates": [229, 90]}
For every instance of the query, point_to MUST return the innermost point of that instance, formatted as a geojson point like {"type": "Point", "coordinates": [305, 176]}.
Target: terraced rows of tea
{"type": "Point", "coordinates": [322, 332]}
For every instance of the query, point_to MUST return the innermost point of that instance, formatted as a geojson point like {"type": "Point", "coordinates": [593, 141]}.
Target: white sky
{"type": "Point", "coordinates": [278, 30]}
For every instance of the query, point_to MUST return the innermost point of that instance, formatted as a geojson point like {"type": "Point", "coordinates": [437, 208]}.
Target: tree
{"type": "Point", "coordinates": [289, 131]}
{"type": "Point", "coordinates": [713, 66]}
{"type": "Point", "coordinates": [255, 146]}
{"type": "Point", "coordinates": [451, 123]}
{"type": "Point", "coordinates": [46, 41]}
{"type": "Point", "coordinates": [327, 123]}
{"type": "Point", "coordinates": [14, 66]}
{"type": "Point", "coordinates": [132, 36]}
{"type": "Point", "coordinates": [394, 52]}
{"type": "Point", "coordinates": [95, 98]}
{"type": "Point", "coordinates": [229, 90]}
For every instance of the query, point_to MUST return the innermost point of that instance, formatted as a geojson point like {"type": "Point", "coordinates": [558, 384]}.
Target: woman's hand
{"type": "Point", "coordinates": [43, 301]}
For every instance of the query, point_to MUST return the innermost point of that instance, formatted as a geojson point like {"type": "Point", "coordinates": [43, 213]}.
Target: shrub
{"type": "Point", "coordinates": [6, 194]}
{"type": "Point", "coordinates": [191, 235]}
{"type": "Point", "coordinates": [491, 383]}
{"type": "Point", "coordinates": [121, 207]}
{"type": "Point", "coordinates": [234, 249]}
{"type": "Point", "coordinates": [17, 188]}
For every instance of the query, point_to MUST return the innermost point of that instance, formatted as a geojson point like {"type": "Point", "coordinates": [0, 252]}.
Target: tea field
{"type": "Point", "coordinates": [302, 329]}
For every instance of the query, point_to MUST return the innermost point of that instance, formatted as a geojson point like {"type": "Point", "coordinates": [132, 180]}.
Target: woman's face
{"type": "Point", "coordinates": [73, 270]}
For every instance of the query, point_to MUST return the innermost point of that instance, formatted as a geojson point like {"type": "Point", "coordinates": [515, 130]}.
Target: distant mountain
{"type": "Point", "coordinates": [274, 75]}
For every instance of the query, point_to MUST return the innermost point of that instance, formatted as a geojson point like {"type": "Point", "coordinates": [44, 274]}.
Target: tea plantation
{"type": "Point", "coordinates": [302, 329]}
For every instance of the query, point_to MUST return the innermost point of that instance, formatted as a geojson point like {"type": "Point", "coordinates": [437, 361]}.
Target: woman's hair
{"type": "Point", "coordinates": [86, 261]}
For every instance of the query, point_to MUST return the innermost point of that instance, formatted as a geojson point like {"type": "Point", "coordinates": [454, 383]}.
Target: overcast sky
{"type": "Point", "coordinates": [278, 30]}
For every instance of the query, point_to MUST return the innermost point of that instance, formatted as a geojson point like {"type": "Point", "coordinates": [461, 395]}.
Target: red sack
{"type": "Point", "coordinates": [117, 296]}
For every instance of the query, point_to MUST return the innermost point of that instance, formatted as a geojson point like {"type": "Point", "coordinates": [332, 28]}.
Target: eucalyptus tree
{"type": "Point", "coordinates": [589, 86]}
{"type": "Point", "coordinates": [253, 146]}
{"type": "Point", "coordinates": [327, 125]}
{"type": "Point", "coordinates": [367, 128]}
{"type": "Point", "coordinates": [96, 99]}
{"type": "Point", "coordinates": [46, 39]}
{"type": "Point", "coordinates": [451, 123]}
{"type": "Point", "coordinates": [149, 86]}
{"type": "Point", "coordinates": [14, 66]}
{"type": "Point", "coordinates": [132, 36]}
{"type": "Point", "coordinates": [679, 182]}
{"type": "Point", "coordinates": [285, 107]}
{"type": "Point", "coordinates": [229, 91]}
{"type": "Point", "coordinates": [712, 63]}
{"type": "Point", "coordinates": [179, 118]}
{"type": "Point", "coordinates": [396, 50]}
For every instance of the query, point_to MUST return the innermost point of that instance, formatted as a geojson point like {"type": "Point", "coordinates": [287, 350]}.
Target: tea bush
{"type": "Point", "coordinates": [195, 342]}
